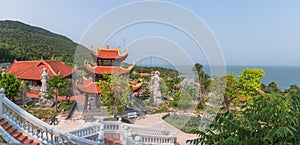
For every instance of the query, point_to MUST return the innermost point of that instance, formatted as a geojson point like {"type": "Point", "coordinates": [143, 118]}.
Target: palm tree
{"type": "Point", "coordinates": [203, 78]}
{"type": "Point", "coordinates": [23, 90]}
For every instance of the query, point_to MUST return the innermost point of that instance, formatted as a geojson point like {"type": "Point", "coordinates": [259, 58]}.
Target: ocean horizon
{"type": "Point", "coordinates": [283, 76]}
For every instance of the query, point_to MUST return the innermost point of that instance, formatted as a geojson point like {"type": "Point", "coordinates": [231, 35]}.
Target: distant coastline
{"type": "Point", "coordinates": [284, 76]}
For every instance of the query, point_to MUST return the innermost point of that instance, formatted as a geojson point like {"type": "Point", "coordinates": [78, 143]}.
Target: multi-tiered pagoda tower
{"type": "Point", "coordinates": [106, 61]}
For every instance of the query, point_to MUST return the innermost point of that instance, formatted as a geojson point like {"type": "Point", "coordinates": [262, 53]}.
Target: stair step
{"type": "Point", "coordinates": [35, 143]}
{"type": "Point", "coordinates": [11, 130]}
{"type": "Point", "coordinates": [16, 134]}
{"type": "Point", "coordinates": [22, 138]}
{"type": "Point", "coordinates": [3, 122]}
{"type": "Point", "coordinates": [27, 141]}
{"type": "Point", "coordinates": [7, 126]}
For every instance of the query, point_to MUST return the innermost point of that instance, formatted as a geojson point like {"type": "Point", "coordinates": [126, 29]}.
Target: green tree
{"type": "Point", "coordinates": [173, 85]}
{"type": "Point", "coordinates": [56, 87]}
{"type": "Point", "coordinates": [250, 82]}
{"type": "Point", "coordinates": [163, 88]}
{"type": "Point", "coordinates": [269, 120]}
{"type": "Point", "coordinates": [231, 89]}
{"type": "Point", "coordinates": [272, 88]}
{"type": "Point", "coordinates": [294, 93]}
{"type": "Point", "coordinates": [11, 84]}
{"type": "Point", "coordinates": [68, 90]}
{"type": "Point", "coordinates": [23, 90]}
{"type": "Point", "coordinates": [203, 78]}
{"type": "Point", "coordinates": [115, 93]}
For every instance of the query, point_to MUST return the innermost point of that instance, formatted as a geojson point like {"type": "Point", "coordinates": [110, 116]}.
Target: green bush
{"type": "Point", "coordinates": [200, 106]}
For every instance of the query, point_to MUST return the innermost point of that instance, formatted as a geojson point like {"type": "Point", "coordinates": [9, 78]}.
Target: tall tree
{"type": "Point", "coordinates": [68, 90]}
{"type": "Point", "coordinates": [231, 89]}
{"type": "Point", "coordinates": [250, 82]}
{"type": "Point", "coordinates": [115, 93]}
{"type": "Point", "coordinates": [23, 90]}
{"type": "Point", "coordinates": [56, 84]}
{"type": "Point", "coordinates": [203, 78]}
{"type": "Point", "coordinates": [11, 84]}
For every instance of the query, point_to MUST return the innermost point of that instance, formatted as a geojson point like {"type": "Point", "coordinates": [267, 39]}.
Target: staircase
{"type": "Point", "coordinates": [23, 138]}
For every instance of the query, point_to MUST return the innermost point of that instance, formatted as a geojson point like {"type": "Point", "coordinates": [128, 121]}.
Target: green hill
{"type": "Point", "coordinates": [24, 42]}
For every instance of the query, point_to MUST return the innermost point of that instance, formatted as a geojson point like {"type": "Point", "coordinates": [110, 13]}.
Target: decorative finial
{"type": "Point", "coordinates": [52, 58]}
{"type": "Point", "coordinates": [42, 58]}
{"type": "Point", "coordinates": [2, 91]}
{"type": "Point", "coordinates": [107, 46]}
{"type": "Point", "coordinates": [137, 138]}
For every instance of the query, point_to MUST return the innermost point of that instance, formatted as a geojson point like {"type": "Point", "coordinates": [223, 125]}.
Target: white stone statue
{"type": "Point", "coordinates": [155, 88]}
{"type": "Point", "coordinates": [43, 101]}
{"type": "Point", "coordinates": [44, 78]}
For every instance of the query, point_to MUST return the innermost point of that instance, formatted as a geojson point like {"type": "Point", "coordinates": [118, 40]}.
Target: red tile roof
{"type": "Point", "coordinates": [107, 69]}
{"type": "Point", "coordinates": [137, 86]}
{"type": "Point", "coordinates": [145, 75]}
{"type": "Point", "coordinates": [31, 70]}
{"type": "Point", "coordinates": [109, 53]}
{"type": "Point", "coordinates": [88, 86]}
{"type": "Point", "coordinates": [34, 94]}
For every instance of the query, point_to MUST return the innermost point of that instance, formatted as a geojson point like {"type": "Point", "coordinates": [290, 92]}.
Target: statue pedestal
{"type": "Point", "coordinates": [43, 101]}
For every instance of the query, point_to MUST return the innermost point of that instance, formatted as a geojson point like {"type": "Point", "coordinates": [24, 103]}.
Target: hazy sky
{"type": "Point", "coordinates": [249, 32]}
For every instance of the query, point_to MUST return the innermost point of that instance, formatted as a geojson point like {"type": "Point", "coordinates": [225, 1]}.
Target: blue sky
{"type": "Point", "coordinates": [250, 32]}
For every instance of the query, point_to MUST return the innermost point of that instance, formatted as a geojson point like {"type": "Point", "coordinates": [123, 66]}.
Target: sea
{"type": "Point", "coordinates": [283, 76]}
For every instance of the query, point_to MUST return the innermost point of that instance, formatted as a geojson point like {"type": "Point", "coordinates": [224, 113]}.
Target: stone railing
{"type": "Point", "coordinates": [47, 134]}
{"type": "Point", "coordinates": [34, 87]}
{"type": "Point", "coordinates": [146, 130]}
{"type": "Point", "coordinates": [129, 133]}
{"type": "Point", "coordinates": [35, 128]}
{"type": "Point", "coordinates": [156, 139]}
{"type": "Point", "coordinates": [86, 131]}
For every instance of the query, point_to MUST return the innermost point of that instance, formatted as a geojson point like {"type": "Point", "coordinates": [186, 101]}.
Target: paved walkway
{"type": "Point", "coordinates": [72, 124]}
{"type": "Point", "coordinates": [156, 121]}
{"type": "Point", "coordinates": [69, 125]}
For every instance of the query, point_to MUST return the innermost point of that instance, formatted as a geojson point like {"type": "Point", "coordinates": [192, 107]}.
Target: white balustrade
{"type": "Point", "coordinates": [34, 87]}
{"type": "Point", "coordinates": [35, 128]}
{"type": "Point", "coordinates": [47, 134]}
{"type": "Point", "coordinates": [145, 130]}
{"type": "Point", "coordinates": [128, 132]}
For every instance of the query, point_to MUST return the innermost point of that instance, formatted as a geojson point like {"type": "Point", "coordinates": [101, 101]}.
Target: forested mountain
{"type": "Point", "coordinates": [24, 42]}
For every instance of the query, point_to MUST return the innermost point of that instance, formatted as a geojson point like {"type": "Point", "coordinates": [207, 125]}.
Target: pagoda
{"type": "Point", "coordinates": [106, 61]}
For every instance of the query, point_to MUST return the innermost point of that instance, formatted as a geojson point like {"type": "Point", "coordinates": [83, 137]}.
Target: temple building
{"type": "Point", "coordinates": [106, 61]}
{"type": "Point", "coordinates": [31, 71]}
